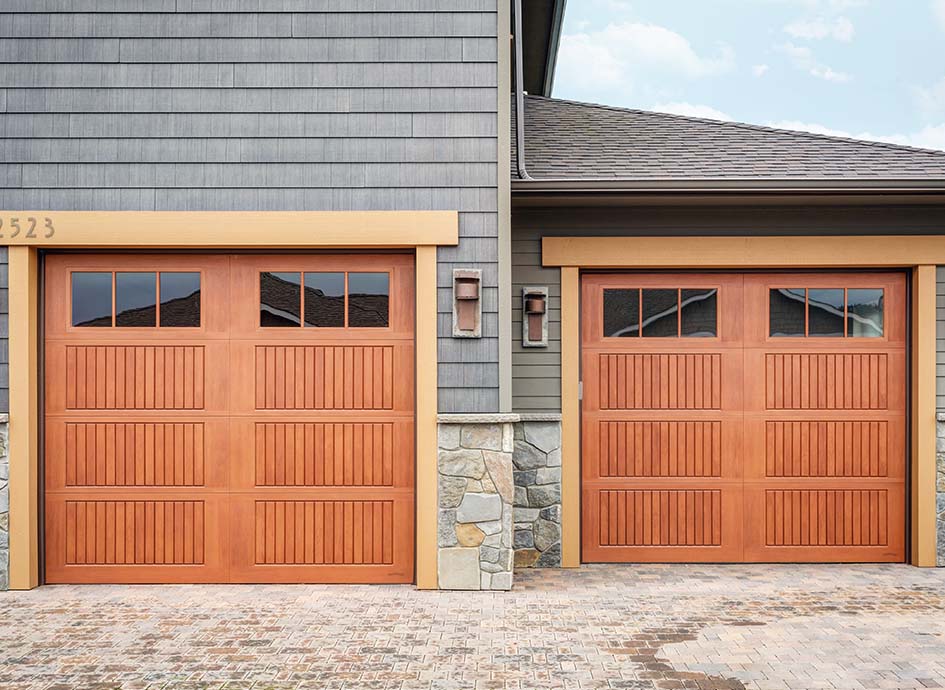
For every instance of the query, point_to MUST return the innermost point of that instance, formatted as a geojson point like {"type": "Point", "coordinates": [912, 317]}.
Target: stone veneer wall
{"type": "Point", "coordinates": [940, 488]}
{"type": "Point", "coordinates": [537, 460]}
{"type": "Point", "coordinates": [4, 504]}
{"type": "Point", "coordinates": [475, 494]}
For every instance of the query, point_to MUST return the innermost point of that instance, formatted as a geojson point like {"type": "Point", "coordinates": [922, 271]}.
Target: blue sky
{"type": "Point", "coordinates": [870, 69]}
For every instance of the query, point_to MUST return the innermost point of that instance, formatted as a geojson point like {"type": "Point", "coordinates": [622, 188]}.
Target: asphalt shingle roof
{"type": "Point", "coordinates": [567, 140]}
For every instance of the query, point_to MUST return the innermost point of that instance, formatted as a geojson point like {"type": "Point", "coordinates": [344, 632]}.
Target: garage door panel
{"type": "Point", "coordinates": [855, 380]}
{"type": "Point", "coordinates": [663, 523]}
{"type": "Point", "coordinates": [136, 452]}
{"type": "Point", "coordinates": [826, 448]}
{"type": "Point", "coordinates": [325, 452]}
{"type": "Point", "coordinates": [665, 381]}
{"type": "Point", "coordinates": [328, 376]}
{"type": "Point", "coordinates": [860, 522]}
{"type": "Point", "coordinates": [136, 376]}
{"type": "Point", "coordinates": [362, 536]}
{"type": "Point", "coordinates": [643, 449]}
{"type": "Point", "coordinates": [139, 536]}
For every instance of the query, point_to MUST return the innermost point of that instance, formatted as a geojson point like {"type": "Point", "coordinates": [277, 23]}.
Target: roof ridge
{"type": "Point", "coordinates": [746, 125]}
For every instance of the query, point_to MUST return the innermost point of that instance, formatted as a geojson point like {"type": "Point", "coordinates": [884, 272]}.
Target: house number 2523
{"type": "Point", "coordinates": [29, 228]}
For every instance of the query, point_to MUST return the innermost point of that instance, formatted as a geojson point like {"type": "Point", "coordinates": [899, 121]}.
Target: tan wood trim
{"type": "Point", "coordinates": [426, 455]}
{"type": "Point", "coordinates": [744, 252]}
{"type": "Point", "coordinates": [570, 418]}
{"type": "Point", "coordinates": [24, 418]}
{"type": "Point", "coordinates": [233, 229]}
{"type": "Point", "coordinates": [506, 336]}
{"type": "Point", "coordinates": [923, 416]}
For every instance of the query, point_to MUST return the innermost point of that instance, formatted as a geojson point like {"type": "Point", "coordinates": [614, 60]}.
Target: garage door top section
{"type": "Point", "coordinates": [744, 417]}
{"type": "Point", "coordinates": [229, 418]}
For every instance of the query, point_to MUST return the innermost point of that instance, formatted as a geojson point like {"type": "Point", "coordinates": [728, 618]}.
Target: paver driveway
{"type": "Point", "coordinates": [599, 627]}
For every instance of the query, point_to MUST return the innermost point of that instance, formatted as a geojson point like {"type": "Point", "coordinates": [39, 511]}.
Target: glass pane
{"type": "Point", "coordinates": [660, 313]}
{"type": "Point", "coordinates": [280, 299]}
{"type": "Point", "coordinates": [786, 317]}
{"type": "Point", "coordinates": [621, 313]}
{"type": "Point", "coordinates": [136, 299]}
{"type": "Point", "coordinates": [368, 300]}
{"type": "Point", "coordinates": [180, 300]}
{"type": "Point", "coordinates": [825, 312]}
{"type": "Point", "coordinates": [865, 313]}
{"type": "Point", "coordinates": [700, 313]}
{"type": "Point", "coordinates": [325, 300]}
{"type": "Point", "coordinates": [92, 299]}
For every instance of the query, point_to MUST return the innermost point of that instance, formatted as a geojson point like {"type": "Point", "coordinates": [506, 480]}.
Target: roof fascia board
{"type": "Point", "coordinates": [554, 41]}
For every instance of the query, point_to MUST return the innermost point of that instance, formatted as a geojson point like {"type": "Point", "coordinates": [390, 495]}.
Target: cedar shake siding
{"type": "Point", "coordinates": [246, 105]}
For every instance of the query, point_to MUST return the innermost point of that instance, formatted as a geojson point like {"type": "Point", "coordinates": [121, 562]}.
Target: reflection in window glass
{"type": "Point", "coordinates": [825, 312]}
{"type": "Point", "coordinates": [621, 313]}
{"type": "Point", "coordinates": [660, 313]}
{"type": "Point", "coordinates": [325, 300]}
{"type": "Point", "coordinates": [699, 313]}
{"type": "Point", "coordinates": [368, 300]}
{"type": "Point", "coordinates": [280, 300]}
{"type": "Point", "coordinates": [786, 316]}
{"type": "Point", "coordinates": [92, 299]}
{"type": "Point", "coordinates": [865, 312]}
{"type": "Point", "coordinates": [136, 299]}
{"type": "Point", "coordinates": [180, 300]}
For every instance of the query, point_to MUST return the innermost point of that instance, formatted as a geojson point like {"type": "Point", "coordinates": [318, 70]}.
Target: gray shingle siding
{"type": "Point", "coordinates": [536, 373]}
{"type": "Point", "coordinates": [198, 105]}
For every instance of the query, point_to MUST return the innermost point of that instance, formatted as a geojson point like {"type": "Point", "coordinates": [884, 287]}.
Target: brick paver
{"type": "Point", "coordinates": [805, 627]}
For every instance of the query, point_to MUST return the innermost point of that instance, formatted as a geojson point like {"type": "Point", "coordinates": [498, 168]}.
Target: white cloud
{"type": "Point", "coordinates": [932, 137]}
{"type": "Point", "coordinates": [691, 110]}
{"type": "Point", "coordinates": [839, 29]}
{"type": "Point", "coordinates": [613, 57]}
{"type": "Point", "coordinates": [760, 70]}
{"type": "Point", "coordinates": [938, 9]}
{"type": "Point", "coordinates": [828, 74]}
{"type": "Point", "coordinates": [803, 58]}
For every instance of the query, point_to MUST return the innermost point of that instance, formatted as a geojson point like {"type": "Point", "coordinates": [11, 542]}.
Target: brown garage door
{"type": "Point", "coordinates": [229, 418]}
{"type": "Point", "coordinates": [743, 417]}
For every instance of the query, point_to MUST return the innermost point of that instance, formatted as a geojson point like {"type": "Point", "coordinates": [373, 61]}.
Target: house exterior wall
{"type": "Point", "coordinates": [536, 372]}
{"type": "Point", "coordinates": [200, 105]}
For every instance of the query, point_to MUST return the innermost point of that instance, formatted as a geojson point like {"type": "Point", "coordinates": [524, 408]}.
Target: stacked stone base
{"type": "Point", "coordinates": [537, 460]}
{"type": "Point", "coordinates": [475, 494]}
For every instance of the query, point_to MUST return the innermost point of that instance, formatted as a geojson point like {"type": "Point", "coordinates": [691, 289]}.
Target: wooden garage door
{"type": "Point", "coordinates": [750, 417]}
{"type": "Point", "coordinates": [229, 418]}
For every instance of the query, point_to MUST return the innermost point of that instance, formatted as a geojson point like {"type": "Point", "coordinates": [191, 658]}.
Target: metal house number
{"type": "Point", "coordinates": [29, 228]}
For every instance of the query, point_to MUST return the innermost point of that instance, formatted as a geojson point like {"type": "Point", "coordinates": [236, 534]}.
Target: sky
{"type": "Point", "coordinates": [868, 69]}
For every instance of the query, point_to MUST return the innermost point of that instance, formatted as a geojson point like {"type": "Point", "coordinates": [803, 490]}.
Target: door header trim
{"type": "Point", "coordinates": [232, 229]}
{"type": "Point", "coordinates": [825, 251]}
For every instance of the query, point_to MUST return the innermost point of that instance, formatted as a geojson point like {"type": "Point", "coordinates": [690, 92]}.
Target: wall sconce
{"type": "Point", "coordinates": [535, 317]}
{"type": "Point", "coordinates": [467, 303]}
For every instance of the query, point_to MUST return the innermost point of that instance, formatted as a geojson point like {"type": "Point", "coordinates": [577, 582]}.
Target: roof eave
{"type": "Point", "coordinates": [784, 186]}
{"type": "Point", "coordinates": [549, 193]}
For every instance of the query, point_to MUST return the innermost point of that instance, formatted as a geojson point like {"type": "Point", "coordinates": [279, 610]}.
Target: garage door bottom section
{"type": "Point", "coordinates": [743, 418]}
{"type": "Point", "coordinates": [229, 418]}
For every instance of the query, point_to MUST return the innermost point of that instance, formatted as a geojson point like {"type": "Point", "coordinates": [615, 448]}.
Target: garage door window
{"type": "Point", "coordinates": [660, 313]}
{"type": "Point", "coordinates": [327, 300]}
{"type": "Point", "coordinates": [825, 312]}
{"type": "Point", "coordinates": [136, 298]}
